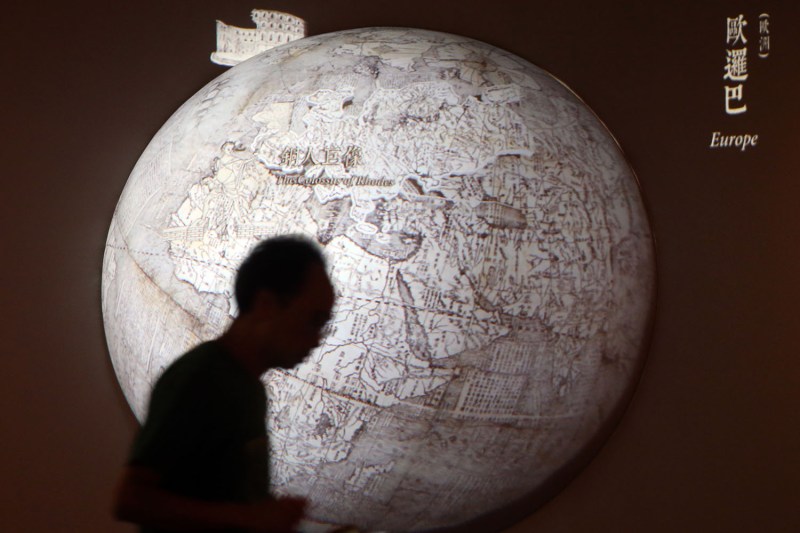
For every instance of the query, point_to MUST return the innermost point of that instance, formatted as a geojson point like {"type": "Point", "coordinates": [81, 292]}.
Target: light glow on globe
{"type": "Point", "coordinates": [487, 240]}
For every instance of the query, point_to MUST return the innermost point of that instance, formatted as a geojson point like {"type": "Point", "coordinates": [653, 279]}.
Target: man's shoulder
{"type": "Point", "coordinates": [199, 365]}
{"type": "Point", "coordinates": [207, 365]}
{"type": "Point", "coordinates": [205, 357]}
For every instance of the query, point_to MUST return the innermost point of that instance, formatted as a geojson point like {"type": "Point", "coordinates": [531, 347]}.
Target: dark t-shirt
{"type": "Point", "coordinates": [205, 430]}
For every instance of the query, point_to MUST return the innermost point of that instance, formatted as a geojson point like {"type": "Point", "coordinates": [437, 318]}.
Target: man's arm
{"type": "Point", "coordinates": [141, 500]}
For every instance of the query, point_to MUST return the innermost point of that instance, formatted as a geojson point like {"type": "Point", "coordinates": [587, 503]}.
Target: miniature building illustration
{"type": "Point", "coordinates": [273, 28]}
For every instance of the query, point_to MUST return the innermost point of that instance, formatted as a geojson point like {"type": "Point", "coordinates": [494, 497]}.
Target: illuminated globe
{"type": "Point", "coordinates": [492, 259]}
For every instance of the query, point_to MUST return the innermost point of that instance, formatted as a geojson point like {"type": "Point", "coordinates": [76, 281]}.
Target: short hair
{"type": "Point", "coordinates": [278, 265]}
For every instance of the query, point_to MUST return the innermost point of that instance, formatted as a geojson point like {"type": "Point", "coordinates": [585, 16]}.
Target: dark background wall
{"type": "Point", "coordinates": [710, 440]}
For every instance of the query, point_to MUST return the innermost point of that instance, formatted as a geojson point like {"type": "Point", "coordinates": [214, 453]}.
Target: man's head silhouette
{"type": "Point", "coordinates": [285, 297]}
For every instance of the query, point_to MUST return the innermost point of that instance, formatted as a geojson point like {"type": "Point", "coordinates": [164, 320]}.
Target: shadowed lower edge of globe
{"type": "Point", "coordinates": [504, 517]}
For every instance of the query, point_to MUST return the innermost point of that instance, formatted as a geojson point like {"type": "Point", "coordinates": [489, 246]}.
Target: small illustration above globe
{"type": "Point", "coordinates": [492, 259]}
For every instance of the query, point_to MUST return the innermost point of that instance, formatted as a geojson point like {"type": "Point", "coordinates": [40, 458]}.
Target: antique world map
{"type": "Point", "coordinates": [491, 255]}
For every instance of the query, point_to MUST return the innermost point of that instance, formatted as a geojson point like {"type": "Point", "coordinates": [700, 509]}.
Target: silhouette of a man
{"type": "Point", "coordinates": [200, 461]}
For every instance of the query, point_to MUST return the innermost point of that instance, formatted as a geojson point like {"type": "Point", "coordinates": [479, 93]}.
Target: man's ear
{"type": "Point", "coordinates": [266, 304]}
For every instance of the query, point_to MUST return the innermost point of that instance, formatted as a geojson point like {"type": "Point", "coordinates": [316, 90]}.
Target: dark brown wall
{"type": "Point", "coordinates": [710, 440]}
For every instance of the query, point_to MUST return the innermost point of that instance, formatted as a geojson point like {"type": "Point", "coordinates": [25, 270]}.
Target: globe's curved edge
{"type": "Point", "coordinates": [570, 469]}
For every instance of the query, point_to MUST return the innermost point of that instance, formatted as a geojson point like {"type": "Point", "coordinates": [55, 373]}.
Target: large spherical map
{"type": "Point", "coordinates": [491, 255]}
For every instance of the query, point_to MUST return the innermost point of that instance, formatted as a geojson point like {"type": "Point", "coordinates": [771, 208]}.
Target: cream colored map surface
{"type": "Point", "coordinates": [491, 255]}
